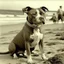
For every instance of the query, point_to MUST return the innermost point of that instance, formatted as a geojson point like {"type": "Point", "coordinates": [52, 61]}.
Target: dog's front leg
{"type": "Point", "coordinates": [27, 45]}
{"type": "Point", "coordinates": [42, 50]}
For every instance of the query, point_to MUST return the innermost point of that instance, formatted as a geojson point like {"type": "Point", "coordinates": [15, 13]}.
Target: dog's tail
{"type": "Point", "coordinates": [5, 52]}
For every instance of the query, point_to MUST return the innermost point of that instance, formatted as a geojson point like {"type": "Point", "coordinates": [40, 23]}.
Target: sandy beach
{"type": "Point", "coordinates": [53, 42]}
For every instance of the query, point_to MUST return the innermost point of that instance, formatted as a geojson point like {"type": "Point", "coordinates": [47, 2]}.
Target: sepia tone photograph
{"type": "Point", "coordinates": [31, 31]}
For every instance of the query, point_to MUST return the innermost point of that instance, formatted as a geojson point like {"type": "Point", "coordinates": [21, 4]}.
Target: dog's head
{"type": "Point", "coordinates": [35, 15]}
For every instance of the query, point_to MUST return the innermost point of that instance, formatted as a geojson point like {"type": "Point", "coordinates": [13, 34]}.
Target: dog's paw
{"type": "Point", "coordinates": [15, 56]}
{"type": "Point", "coordinates": [30, 61]}
{"type": "Point", "coordinates": [44, 57]}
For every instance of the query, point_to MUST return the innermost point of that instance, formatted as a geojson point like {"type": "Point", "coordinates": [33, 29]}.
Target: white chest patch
{"type": "Point", "coordinates": [36, 36]}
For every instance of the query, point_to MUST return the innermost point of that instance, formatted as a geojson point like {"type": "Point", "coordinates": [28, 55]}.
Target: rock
{"type": "Point", "coordinates": [56, 59]}
{"type": "Point", "coordinates": [58, 34]}
{"type": "Point", "coordinates": [62, 38]}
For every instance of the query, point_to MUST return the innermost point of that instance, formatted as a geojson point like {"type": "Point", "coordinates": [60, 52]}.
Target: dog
{"type": "Point", "coordinates": [23, 41]}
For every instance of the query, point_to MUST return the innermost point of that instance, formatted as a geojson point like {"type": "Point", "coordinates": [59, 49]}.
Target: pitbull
{"type": "Point", "coordinates": [23, 41]}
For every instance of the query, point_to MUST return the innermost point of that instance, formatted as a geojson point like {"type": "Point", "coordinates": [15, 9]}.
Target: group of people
{"type": "Point", "coordinates": [58, 16]}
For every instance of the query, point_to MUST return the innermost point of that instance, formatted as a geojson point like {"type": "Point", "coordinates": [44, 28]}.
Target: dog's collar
{"type": "Point", "coordinates": [31, 25]}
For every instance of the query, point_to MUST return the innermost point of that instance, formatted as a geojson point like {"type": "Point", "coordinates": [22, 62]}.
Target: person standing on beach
{"type": "Point", "coordinates": [60, 13]}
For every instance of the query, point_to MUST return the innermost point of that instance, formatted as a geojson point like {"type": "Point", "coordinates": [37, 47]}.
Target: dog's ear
{"type": "Point", "coordinates": [45, 9]}
{"type": "Point", "coordinates": [26, 9]}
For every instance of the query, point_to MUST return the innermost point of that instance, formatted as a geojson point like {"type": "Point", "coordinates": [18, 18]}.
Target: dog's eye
{"type": "Point", "coordinates": [36, 13]}
{"type": "Point", "coordinates": [41, 13]}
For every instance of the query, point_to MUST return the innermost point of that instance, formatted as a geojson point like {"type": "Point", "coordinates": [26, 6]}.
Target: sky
{"type": "Point", "coordinates": [19, 4]}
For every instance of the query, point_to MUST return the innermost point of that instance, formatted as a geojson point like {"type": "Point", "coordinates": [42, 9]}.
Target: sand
{"type": "Point", "coordinates": [53, 42]}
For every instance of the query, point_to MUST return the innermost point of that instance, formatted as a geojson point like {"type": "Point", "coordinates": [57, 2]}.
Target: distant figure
{"type": "Point", "coordinates": [63, 15]}
{"type": "Point", "coordinates": [60, 13]}
{"type": "Point", "coordinates": [54, 18]}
